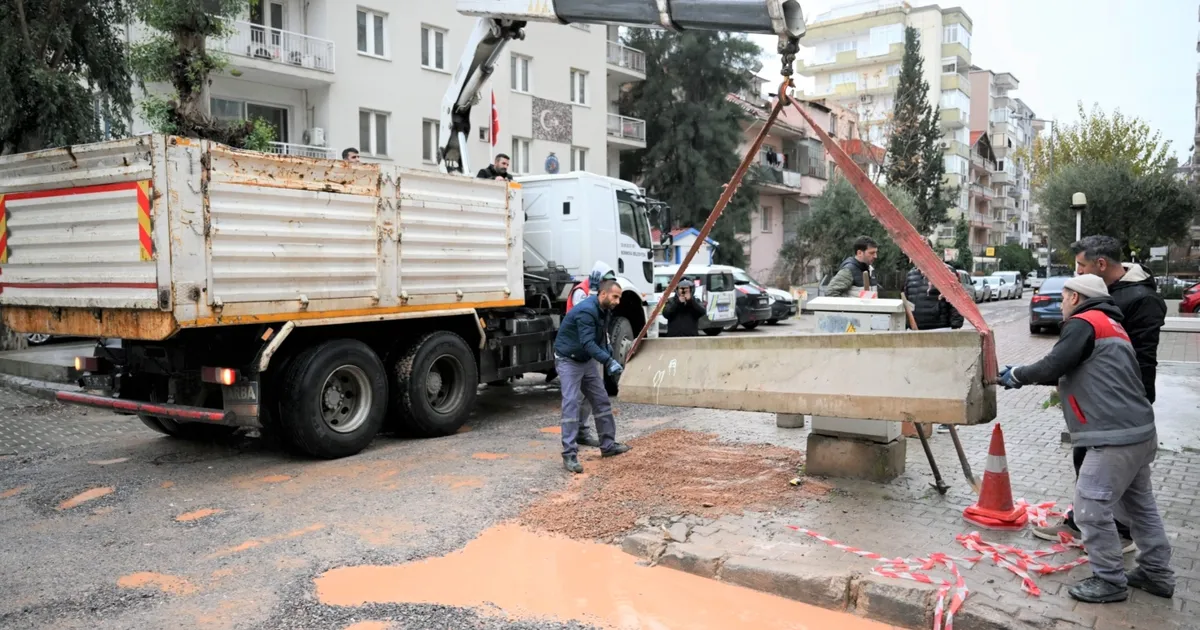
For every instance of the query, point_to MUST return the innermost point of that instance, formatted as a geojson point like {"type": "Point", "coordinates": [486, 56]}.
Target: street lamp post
{"type": "Point", "coordinates": [1078, 204]}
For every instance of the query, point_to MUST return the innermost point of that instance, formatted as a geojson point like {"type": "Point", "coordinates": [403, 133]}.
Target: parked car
{"type": "Point", "coordinates": [783, 305]}
{"type": "Point", "coordinates": [983, 289]}
{"type": "Point", "coordinates": [753, 304]}
{"type": "Point", "coordinates": [1011, 280]}
{"type": "Point", "coordinates": [1002, 287]}
{"type": "Point", "coordinates": [714, 287]}
{"type": "Point", "coordinates": [1191, 300]}
{"type": "Point", "coordinates": [1045, 308]}
{"type": "Point", "coordinates": [37, 339]}
{"type": "Point", "coordinates": [968, 285]}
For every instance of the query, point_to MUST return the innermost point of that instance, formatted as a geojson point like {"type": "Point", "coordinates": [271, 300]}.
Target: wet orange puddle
{"type": "Point", "coordinates": [196, 515]}
{"type": "Point", "coordinates": [12, 492]}
{"type": "Point", "coordinates": [84, 497]}
{"type": "Point", "coordinates": [165, 583]}
{"type": "Point", "coordinates": [557, 430]}
{"type": "Point", "coordinates": [489, 456]}
{"type": "Point", "coordinates": [542, 579]}
{"type": "Point", "coordinates": [259, 542]}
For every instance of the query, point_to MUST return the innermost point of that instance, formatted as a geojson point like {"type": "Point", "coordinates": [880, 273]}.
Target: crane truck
{"type": "Point", "coordinates": [320, 300]}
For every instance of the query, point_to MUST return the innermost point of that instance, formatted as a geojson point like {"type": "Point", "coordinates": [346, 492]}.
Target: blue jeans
{"type": "Point", "coordinates": [580, 381]}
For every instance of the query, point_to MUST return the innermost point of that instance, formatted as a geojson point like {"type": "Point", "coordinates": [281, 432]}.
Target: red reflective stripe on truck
{"type": "Point", "coordinates": [80, 285]}
{"type": "Point", "coordinates": [77, 190]}
{"type": "Point", "coordinates": [155, 409]}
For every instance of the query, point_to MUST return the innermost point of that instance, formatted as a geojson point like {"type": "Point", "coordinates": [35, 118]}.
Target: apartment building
{"type": "Point", "coordinates": [981, 195]}
{"type": "Point", "coordinates": [1012, 127]}
{"type": "Point", "coordinates": [858, 48]}
{"type": "Point", "coordinates": [372, 75]}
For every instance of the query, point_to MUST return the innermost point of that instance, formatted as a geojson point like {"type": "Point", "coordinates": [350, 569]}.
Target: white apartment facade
{"type": "Point", "coordinates": [330, 75]}
{"type": "Point", "coordinates": [858, 49]}
{"type": "Point", "coordinates": [1012, 127]}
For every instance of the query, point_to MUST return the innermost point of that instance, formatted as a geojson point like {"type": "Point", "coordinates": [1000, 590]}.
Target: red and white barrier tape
{"type": "Point", "coordinates": [1020, 562]}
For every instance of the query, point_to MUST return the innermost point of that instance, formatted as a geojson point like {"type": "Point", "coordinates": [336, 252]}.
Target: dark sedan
{"type": "Point", "coordinates": [753, 307]}
{"type": "Point", "coordinates": [1045, 309]}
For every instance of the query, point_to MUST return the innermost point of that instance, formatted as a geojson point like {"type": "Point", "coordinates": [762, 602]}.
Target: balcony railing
{"type": "Point", "coordinates": [277, 45]}
{"type": "Point", "coordinates": [626, 57]}
{"type": "Point", "coordinates": [627, 128]}
{"type": "Point", "coordinates": [287, 148]}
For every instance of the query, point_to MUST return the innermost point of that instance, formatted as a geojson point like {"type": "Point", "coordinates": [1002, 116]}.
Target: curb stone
{"type": "Point", "coordinates": [694, 559]}
{"type": "Point", "coordinates": [45, 390]}
{"type": "Point", "coordinates": [898, 602]}
{"type": "Point", "coordinates": [820, 585]}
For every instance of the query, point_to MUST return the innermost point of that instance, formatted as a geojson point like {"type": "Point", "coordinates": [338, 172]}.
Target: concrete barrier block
{"type": "Point", "coordinates": [829, 456]}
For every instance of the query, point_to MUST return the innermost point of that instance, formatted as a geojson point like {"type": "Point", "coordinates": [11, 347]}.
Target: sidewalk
{"type": "Point", "coordinates": [907, 518]}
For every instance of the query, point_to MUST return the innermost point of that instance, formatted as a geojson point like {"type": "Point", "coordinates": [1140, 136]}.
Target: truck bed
{"type": "Point", "coordinates": [141, 237]}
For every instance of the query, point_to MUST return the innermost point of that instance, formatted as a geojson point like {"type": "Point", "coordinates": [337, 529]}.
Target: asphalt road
{"type": "Point", "coordinates": [105, 524]}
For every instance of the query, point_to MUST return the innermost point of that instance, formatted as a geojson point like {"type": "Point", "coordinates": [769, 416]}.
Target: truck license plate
{"type": "Point", "coordinates": [241, 393]}
{"type": "Point", "coordinates": [722, 308]}
{"type": "Point", "coordinates": [96, 381]}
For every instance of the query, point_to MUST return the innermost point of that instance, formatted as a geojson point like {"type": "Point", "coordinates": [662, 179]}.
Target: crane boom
{"type": "Point", "coordinates": [501, 21]}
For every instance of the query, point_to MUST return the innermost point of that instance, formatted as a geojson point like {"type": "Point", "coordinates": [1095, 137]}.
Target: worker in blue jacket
{"type": "Point", "coordinates": [581, 343]}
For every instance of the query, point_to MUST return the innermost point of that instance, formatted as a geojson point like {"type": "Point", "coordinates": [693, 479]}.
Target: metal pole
{"type": "Point", "coordinates": [1078, 223]}
{"type": "Point", "coordinates": [1049, 251]}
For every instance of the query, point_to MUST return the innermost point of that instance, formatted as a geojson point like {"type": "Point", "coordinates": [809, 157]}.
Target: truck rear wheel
{"type": "Point", "coordinates": [195, 431]}
{"type": "Point", "coordinates": [333, 398]}
{"type": "Point", "coordinates": [621, 336]}
{"type": "Point", "coordinates": [434, 383]}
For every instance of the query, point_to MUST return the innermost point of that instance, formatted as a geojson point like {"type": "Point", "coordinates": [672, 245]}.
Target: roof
{"type": "Point", "coordinates": [762, 114]}
{"type": "Point", "coordinates": [975, 136]}
{"type": "Point", "coordinates": [678, 232]}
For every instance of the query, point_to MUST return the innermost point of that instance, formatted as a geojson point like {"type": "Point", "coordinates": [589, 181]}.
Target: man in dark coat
{"type": "Point", "coordinates": [683, 311]}
{"type": "Point", "coordinates": [930, 308]}
{"type": "Point", "coordinates": [498, 169]}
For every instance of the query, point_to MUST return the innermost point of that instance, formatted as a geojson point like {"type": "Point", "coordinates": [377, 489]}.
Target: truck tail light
{"type": "Point", "coordinates": [87, 364]}
{"type": "Point", "coordinates": [219, 376]}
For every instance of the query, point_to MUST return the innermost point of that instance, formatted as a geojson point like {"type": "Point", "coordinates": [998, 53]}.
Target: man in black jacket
{"type": "Point", "coordinates": [498, 169]}
{"type": "Point", "coordinates": [855, 271]}
{"type": "Point", "coordinates": [930, 308]}
{"type": "Point", "coordinates": [1143, 312]}
{"type": "Point", "coordinates": [683, 311]}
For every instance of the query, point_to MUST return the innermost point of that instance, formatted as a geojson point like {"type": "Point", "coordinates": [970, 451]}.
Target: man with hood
{"type": "Point", "coordinates": [1108, 415]}
{"type": "Point", "coordinates": [1134, 293]}
{"type": "Point", "coordinates": [600, 272]}
{"type": "Point", "coordinates": [855, 271]}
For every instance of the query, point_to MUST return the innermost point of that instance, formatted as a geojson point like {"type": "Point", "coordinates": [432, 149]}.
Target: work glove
{"type": "Point", "coordinates": [614, 368]}
{"type": "Point", "coordinates": [1008, 378]}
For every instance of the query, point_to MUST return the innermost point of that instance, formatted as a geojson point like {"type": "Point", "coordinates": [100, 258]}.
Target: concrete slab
{"type": "Point", "coordinates": [54, 363]}
{"type": "Point", "coordinates": [930, 377]}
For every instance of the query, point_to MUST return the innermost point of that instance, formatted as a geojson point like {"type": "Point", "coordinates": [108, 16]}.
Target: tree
{"type": "Point", "coordinates": [1015, 258]}
{"type": "Point", "coordinates": [838, 217]}
{"type": "Point", "coordinates": [692, 131]}
{"type": "Point", "coordinates": [1140, 210]}
{"type": "Point", "coordinates": [1098, 137]}
{"type": "Point", "coordinates": [962, 242]}
{"type": "Point", "coordinates": [177, 53]}
{"type": "Point", "coordinates": [62, 71]}
{"type": "Point", "coordinates": [915, 158]}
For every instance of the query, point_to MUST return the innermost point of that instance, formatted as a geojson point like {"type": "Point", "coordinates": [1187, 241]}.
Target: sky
{"type": "Point", "coordinates": [1138, 56]}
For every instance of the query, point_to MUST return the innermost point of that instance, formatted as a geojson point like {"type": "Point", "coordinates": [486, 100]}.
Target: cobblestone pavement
{"type": "Point", "coordinates": [907, 518]}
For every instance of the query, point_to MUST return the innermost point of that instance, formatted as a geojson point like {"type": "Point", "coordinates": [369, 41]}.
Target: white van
{"type": "Point", "coordinates": [715, 289]}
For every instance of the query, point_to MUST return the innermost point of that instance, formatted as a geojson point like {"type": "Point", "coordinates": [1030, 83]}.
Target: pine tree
{"type": "Point", "coordinates": [692, 132]}
{"type": "Point", "coordinates": [915, 159]}
{"type": "Point", "coordinates": [962, 241]}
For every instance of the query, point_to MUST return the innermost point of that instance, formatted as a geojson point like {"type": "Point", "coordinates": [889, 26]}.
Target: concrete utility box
{"type": "Point", "coordinates": [847, 315]}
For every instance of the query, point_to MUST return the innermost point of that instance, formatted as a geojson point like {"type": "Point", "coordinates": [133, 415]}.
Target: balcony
{"type": "Point", "coordinates": [1001, 177]}
{"type": "Point", "coordinates": [982, 192]}
{"type": "Point", "coordinates": [979, 220]}
{"type": "Point", "coordinates": [625, 132]}
{"type": "Point", "coordinates": [1003, 202]}
{"type": "Point", "coordinates": [953, 118]}
{"type": "Point", "coordinates": [277, 57]}
{"type": "Point", "coordinates": [301, 150]}
{"type": "Point", "coordinates": [956, 82]}
{"type": "Point", "coordinates": [954, 147]}
{"type": "Point", "coordinates": [956, 50]}
{"type": "Point", "coordinates": [626, 63]}
{"type": "Point", "coordinates": [852, 59]}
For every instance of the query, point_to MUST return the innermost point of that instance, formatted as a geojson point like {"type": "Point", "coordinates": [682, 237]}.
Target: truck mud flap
{"type": "Point", "coordinates": [175, 412]}
{"type": "Point", "coordinates": [930, 377]}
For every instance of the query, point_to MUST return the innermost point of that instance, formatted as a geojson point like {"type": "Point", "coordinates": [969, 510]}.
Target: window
{"type": "Point", "coordinates": [578, 159]}
{"type": "Point", "coordinates": [845, 46]}
{"type": "Point", "coordinates": [579, 87]}
{"type": "Point", "coordinates": [373, 132]}
{"type": "Point", "coordinates": [230, 110]}
{"type": "Point", "coordinates": [956, 34]}
{"type": "Point", "coordinates": [838, 78]}
{"type": "Point", "coordinates": [485, 134]}
{"type": "Point", "coordinates": [882, 38]}
{"type": "Point", "coordinates": [520, 73]}
{"type": "Point", "coordinates": [956, 164]}
{"type": "Point", "coordinates": [520, 156]}
{"type": "Point", "coordinates": [372, 33]}
{"type": "Point", "coordinates": [893, 70]}
{"type": "Point", "coordinates": [430, 130]}
{"type": "Point", "coordinates": [962, 134]}
{"type": "Point", "coordinates": [764, 214]}
{"type": "Point", "coordinates": [433, 48]}
{"type": "Point", "coordinates": [956, 99]}
{"type": "Point", "coordinates": [950, 65]}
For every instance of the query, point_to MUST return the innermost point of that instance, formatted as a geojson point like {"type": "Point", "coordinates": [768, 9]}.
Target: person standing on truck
{"type": "Point", "coordinates": [684, 311]}
{"type": "Point", "coordinates": [1105, 406]}
{"type": "Point", "coordinates": [583, 339]}
{"type": "Point", "coordinates": [498, 169]}
{"type": "Point", "coordinates": [855, 271]}
{"type": "Point", "coordinates": [350, 155]}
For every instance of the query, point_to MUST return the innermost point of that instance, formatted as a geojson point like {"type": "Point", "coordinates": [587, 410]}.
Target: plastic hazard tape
{"type": "Point", "coordinates": [916, 569]}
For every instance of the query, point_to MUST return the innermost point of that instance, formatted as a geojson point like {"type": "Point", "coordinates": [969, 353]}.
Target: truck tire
{"type": "Point", "coordinates": [434, 383]}
{"type": "Point", "coordinates": [713, 332]}
{"type": "Point", "coordinates": [192, 431]}
{"type": "Point", "coordinates": [621, 334]}
{"type": "Point", "coordinates": [333, 398]}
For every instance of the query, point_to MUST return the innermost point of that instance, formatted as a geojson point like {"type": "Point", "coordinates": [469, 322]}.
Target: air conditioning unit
{"type": "Point", "coordinates": [315, 136]}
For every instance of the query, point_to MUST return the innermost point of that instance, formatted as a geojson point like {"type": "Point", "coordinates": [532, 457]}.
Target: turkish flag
{"type": "Point", "coordinates": [495, 120]}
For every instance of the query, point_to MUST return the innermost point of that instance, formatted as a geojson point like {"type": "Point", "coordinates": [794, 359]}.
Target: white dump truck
{"type": "Point", "coordinates": [320, 299]}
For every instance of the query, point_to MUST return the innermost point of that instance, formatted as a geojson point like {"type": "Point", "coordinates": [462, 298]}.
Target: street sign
{"type": "Point", "coordinates": [1158, 251]}
{"type": "Point", "coordinates": [990, 251]}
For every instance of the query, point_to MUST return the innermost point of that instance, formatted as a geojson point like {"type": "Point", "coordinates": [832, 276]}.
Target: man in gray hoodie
{"type": "Point", "coordinates": [1107, 412]}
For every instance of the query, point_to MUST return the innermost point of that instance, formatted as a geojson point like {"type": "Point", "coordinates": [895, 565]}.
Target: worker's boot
{"type": "Point", "coordinates": [1096, 590]}
{"type": "Point", "coordinates": [616, 449]}
{"type": "Point", "coordinates": [1138, 579]}
{"type": "Point", "coordinates": [588, 437]}
{"type": "Point", "coordinates": [571, 463]}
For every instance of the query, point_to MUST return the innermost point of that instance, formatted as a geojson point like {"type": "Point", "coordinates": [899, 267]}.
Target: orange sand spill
{"type": "Point", "coordinates": [459, 483]}
{"type": "Point", "coordinates": [557, 430]}
{"type": "Point", "coordinates": [370, 625]}
{"type": "Point", "coordinates": [196, 515]}
{"type": "Point", "coordinates": [489, 456]}
{"type": "Point", "coordinates": [540, 582]}
{"type": "Point", "coordinates": [275, 479]}
{"type": "Point", "coordinates": [84, 497]}
{"type": "Point", "coordinates": [12, 492]}
{"type": "Point", "coordinates": [258, 542]}
{"type": "Point", "coordinates": [102, 511]}
{"type": "Point", "coordinates": [463, 429]}
{"type": "Point", "coordinates": [166, 484]}
{"type": "Point", "coordinates": [165, 583]}
{"type": "Point", "coordinates": [108, 462]}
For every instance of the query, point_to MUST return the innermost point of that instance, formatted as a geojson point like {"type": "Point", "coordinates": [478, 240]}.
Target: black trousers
{"type": "Point", "coordinates": [1077, 455]}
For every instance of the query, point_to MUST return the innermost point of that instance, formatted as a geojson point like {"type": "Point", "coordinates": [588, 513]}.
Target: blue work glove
{"type": "Point", "coordinates": [1008, 378]}
{"type": "Point", "coordinates": [614, 368]}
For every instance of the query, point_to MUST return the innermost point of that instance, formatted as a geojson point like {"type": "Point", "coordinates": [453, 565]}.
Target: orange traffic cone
{"type": "Point", "coordinates": [994, 509]}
